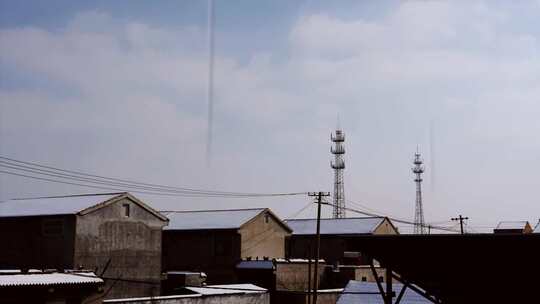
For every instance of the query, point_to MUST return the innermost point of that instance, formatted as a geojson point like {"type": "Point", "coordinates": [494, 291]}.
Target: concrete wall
{"type": "Point", "coordinates": [255, 298]}
{"type": "Point", "coordinates": [294, 276]}
{"type": "Point", "coordinates": [28, 243]}
{"type": "Point", "coordinates": [214, 252]}
{"type": "Point", "coordinates": [263, 236]}
{"type": "Point", "coordinates": [132, 243]}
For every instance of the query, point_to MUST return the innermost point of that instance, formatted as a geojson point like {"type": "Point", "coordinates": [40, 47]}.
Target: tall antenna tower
{"type": "Point", "coordinates": [338, 165]}
{"type": "Point", "coordinates": [418, 169]}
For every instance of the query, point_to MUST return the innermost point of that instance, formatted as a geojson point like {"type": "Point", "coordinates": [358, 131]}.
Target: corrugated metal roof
{"type": "Point", "coordinates": [210, 219]}
{"type": "Point", "coordinates": [227, 289]}
{"type": "Point", "coordinates": [515, 225]}
{"type": "Point", "coordinates": [52, 205]}
{"type": "Point", "coordinates": [372, 295]}
{"type": "Point", "coordinates": [358, 225]}
{"type": "Point", "coordinates": [48, 279]}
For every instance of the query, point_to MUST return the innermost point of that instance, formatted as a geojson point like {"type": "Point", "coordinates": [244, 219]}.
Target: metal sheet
{"type": "Point", "coordinates": [211, 219]}
{"type": "Point", "coordinates": [51, 205]}
{"type": "Point", "coordinates": [359, 225]}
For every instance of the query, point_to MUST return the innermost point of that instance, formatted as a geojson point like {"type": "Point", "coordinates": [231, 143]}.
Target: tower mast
{"type": "Point", "coordinates": [418, 169]}
{"type": "Point", "coordinates": [338, 165]}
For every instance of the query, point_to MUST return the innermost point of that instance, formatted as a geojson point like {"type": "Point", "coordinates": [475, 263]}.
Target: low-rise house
{"type": "Point", "coordinates": [357, 292]}
{"type": "Point", "coordinates": [211, 294]}
{"type": "Point", "coordinates": [114, 234]}
{"type": "Point", "coordinates": [214, 241]}
{"type": "Point", "coordinates": [36, 286]}
{"type": "Point", "coordinates": [518, 227]}
{"type": "Point", "coordinates": [337, 237]}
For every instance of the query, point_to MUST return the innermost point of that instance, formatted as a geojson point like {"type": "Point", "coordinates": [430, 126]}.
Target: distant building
{"type": "Point", "coordinates": [211, 294]}
{"type": "Point", "coordinates": [337, 236]}
{"type": "Point", "coordinates": [116, 234]}
{"type": "Point", "coordinates": [215, 241]}
{"type": "Point", "coordinates": [537, 228]}
{"type": "Point", "coordinates": [49, 287]}
{"type": "Point", "coordinates": [513, 227]}
{"type": "Point", "coordinates": [368, 293]}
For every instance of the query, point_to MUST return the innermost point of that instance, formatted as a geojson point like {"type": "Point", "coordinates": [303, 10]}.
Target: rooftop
{"type": "Point", "coordinates": [512, 225]}
{"type": "Point", "coordinates": [210, 219]}
{"type": "Point", "coordinates": [44, 279]}
{"type": "Point", "coordinates": [537, 229]}
{"type": "Point", "coordinates": [368, 293]}
{"type": "Point", "coordinates": [353, 225]}
{"type": "Point", "coordinates": [64, 205]}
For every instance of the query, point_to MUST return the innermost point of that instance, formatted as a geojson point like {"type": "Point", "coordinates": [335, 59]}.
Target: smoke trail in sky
{"type": "Point", "coordinates": [210, 84]}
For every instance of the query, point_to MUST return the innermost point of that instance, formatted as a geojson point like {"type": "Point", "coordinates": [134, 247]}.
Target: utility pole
{"type": "Point", "coordinates": [319, 196]}
{"type": "Point", "coordinates": [460, 219]}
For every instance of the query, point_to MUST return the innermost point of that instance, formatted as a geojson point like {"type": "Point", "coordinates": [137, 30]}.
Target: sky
{"type": "Point", "coordinates": [118, 88]}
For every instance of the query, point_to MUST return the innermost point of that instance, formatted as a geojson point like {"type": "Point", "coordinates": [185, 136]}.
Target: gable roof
{"type": "Point", "coordinates": [215, 219]}
{"type": "Point", "coordinates": [368, 292]}
{"type": "Point", "coordinates": [537, 228]}
{"type": "Point", "coordinates": [352, 225]}
{"type": "Point", "coordinates": [69, 204]}
{"type": "Point", "coordinates": [512, 225]}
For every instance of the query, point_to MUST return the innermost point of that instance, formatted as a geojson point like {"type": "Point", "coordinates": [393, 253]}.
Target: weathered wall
{"type": "Point", "coordinates": [385, 228]}
{"type": "Point", "coordinates": [28, 243]}
{"type": "Point", "coordinates": [256, 298]}
{"type": "Point", "coordinates": [133, 245]}
{"type": "Point", "coordinates": [214, 252]}
{"type": "Point", "coordinates": [294, 276]}
{"type": "Point", "coordinates": [263, 236]}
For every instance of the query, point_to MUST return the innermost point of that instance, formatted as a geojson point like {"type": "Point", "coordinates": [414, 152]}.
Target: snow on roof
{"type": "Point", "coordinates": [227, 289]}
{"type": "Point", "coordinates": [210, 219]}
{"type": "Point", "coordinates": [48, 279]}
{"type": "Point", "coordinates": [52, 205]}
{"type": "Point", "coordinates": [537, 229]}
{"type": "Point", "coordinates": [358, 225]}
{"type": "Point", "coordinates": [515, 225]}
{"type": "Point", "coordinates": [368, 292]}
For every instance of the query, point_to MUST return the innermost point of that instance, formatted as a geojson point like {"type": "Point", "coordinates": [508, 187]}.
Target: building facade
{"type": "Point", "coordinates": [219, 239]}
{"type": "Point", "coordinates": [337, 235]}
{"type": "Point", "coordinates": [116, 235]}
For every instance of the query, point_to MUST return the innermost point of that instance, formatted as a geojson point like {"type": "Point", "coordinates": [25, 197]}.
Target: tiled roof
{"type": "Point", "coordinates": [52, 205]}
{"type": "Point", "coordinates": [358, 225]}
{"type": "Point", "coordinates": [210, 219]}
{"type": "Point", "coordinates": [46, 279]}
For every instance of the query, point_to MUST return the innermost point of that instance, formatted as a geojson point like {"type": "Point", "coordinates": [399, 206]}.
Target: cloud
{"type": "Point", "coordinates": [127, 99]}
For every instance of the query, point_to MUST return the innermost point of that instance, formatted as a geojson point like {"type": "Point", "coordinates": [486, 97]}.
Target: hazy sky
{"type": "Point", "coordinates": [117, 88]}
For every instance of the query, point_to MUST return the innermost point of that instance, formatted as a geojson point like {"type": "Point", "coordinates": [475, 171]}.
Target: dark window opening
{"type": "Point", "coordinates": [364, 279]}
{"type": "Point", "coordinates": [126, 210]}
{"type": "Point", "coordinates": [266, 218]}
{"type": "Point", "coordinates": [381, 279]}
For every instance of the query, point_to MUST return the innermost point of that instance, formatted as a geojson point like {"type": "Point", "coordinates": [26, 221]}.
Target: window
{"type": "Point", "coordinates": [52, 227]}
{"type": "Point", "coordinates": [126, 210]}
{"type": "Point", "coordinates": [381, 279]}
{"type": "Point", "coordinates": [364, 279]}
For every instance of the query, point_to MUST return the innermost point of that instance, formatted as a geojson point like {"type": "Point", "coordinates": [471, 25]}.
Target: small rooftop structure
{"type": "Point", "coordinates": [342, 226]}
{"type": "Point", "coordinates": [65, 205]}
{"type": "Point", "coordinates": [214, 219]}
{"type": "Point", "coordinates": [357, 292]}
{"type": "Point", "coordinates": [513, 227]}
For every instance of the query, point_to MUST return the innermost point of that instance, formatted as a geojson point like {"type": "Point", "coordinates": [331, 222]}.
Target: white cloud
{"type": "Point", "coordinates": [138, 91]}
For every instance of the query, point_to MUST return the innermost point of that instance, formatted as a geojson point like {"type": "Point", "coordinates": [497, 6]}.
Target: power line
{"type": "Point", "coordinates": [396, 219]}
{"type": "Point", "coordinates": [78, 178]}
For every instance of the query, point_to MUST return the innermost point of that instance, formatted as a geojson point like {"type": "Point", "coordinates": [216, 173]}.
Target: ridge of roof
{"type": "Point", "coordinates": [65, 196]}
{"type": "Point", "coordinates": [211, 210]}
{"type": "Point", "coordinates": [347, 218]}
